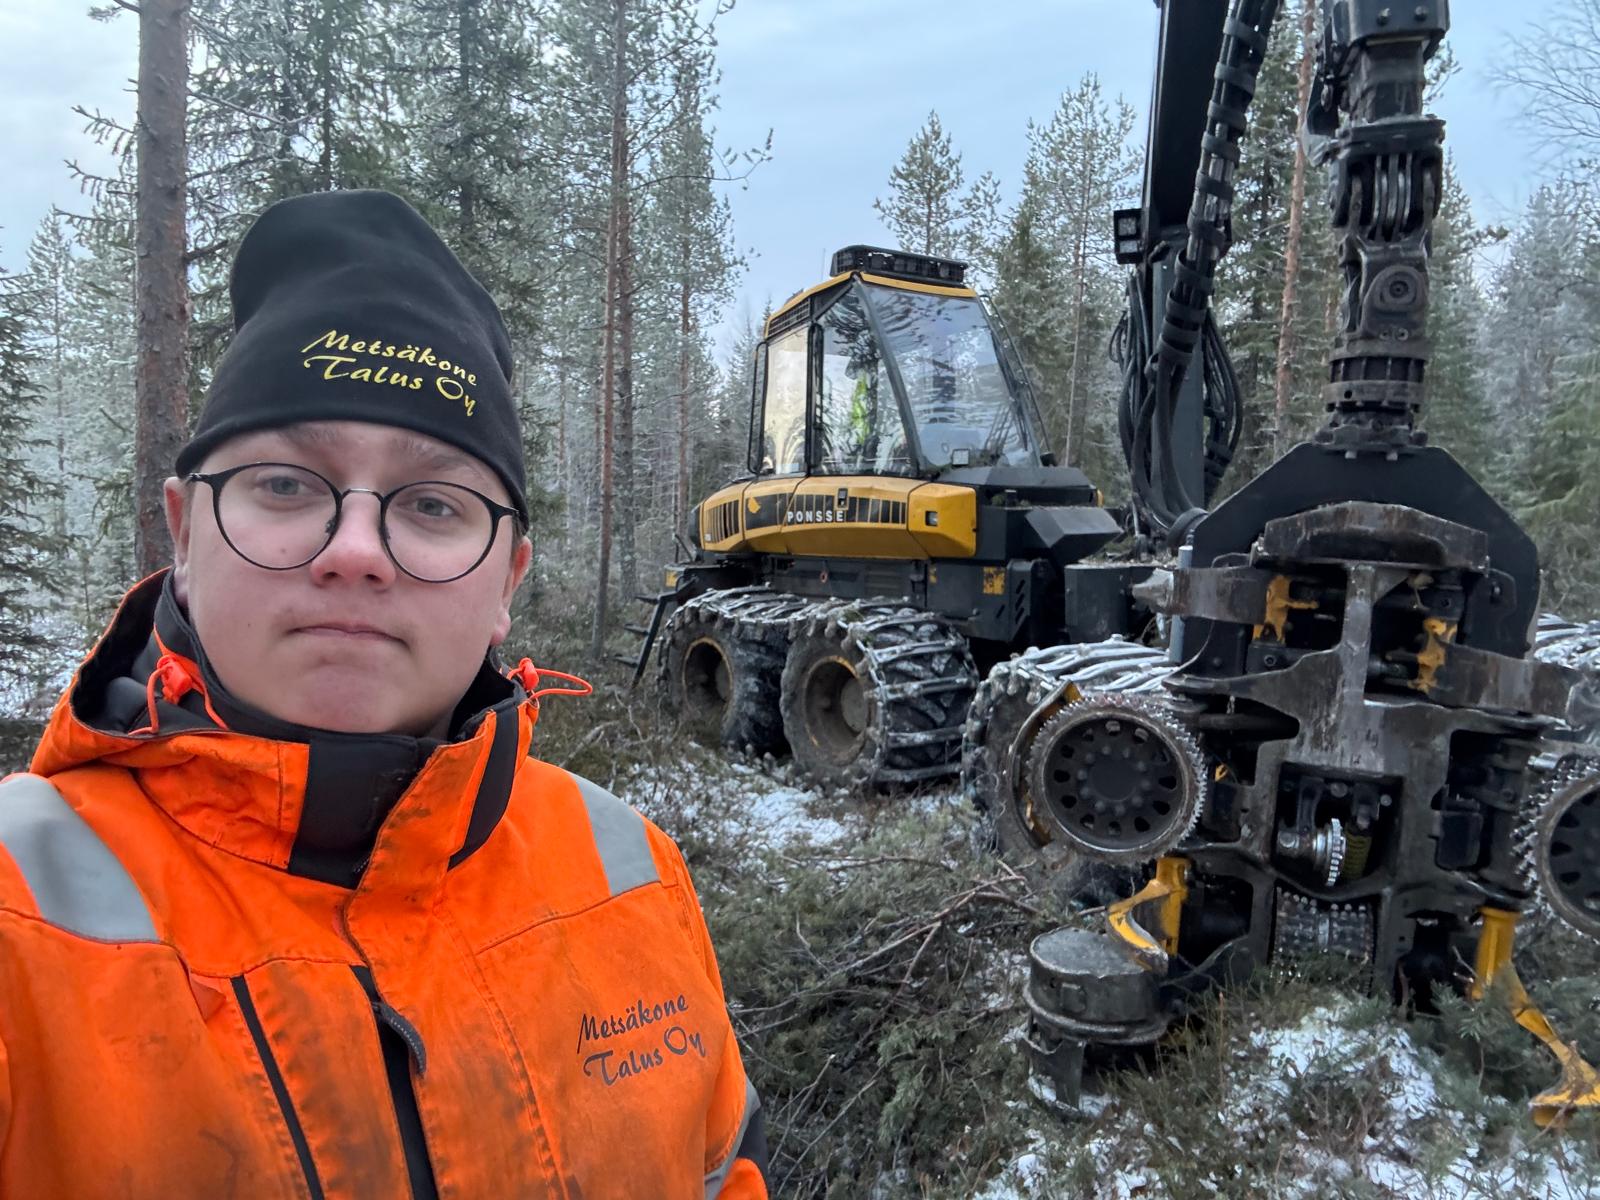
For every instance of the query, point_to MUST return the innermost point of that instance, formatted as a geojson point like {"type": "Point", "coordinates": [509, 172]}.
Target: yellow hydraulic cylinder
{"type": "Point", "coordinates": [1579, 1086]}
{"type": "Point", "coordinates": [1168, 889]}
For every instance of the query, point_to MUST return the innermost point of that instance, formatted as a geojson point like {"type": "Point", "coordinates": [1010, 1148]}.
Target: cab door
{"type": "Point", "coordinates": [779, 443]}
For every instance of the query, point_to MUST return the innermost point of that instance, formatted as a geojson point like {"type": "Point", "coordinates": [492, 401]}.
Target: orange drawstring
{"type": "Point", "coordinates": [177, 677]}
{"type": "Point", "coordinates": [528, 676]}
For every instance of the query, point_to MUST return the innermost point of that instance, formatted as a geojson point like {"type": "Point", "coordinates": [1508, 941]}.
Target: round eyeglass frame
{"type": "Point", "coordinates": [217, 479]}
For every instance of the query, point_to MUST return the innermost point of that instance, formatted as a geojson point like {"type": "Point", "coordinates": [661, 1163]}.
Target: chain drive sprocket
{"type": "Point", "coordinates": [1119, 776]}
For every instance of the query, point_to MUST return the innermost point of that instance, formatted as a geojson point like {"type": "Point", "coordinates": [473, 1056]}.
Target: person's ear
{"type": "Point", "coordinates": [521, 560]}
{"type": "Point", "coordinates": [175, 497]}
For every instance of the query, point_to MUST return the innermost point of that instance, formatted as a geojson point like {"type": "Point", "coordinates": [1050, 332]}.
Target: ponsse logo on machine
{"type": "Point", "coordinates": [818, 508]}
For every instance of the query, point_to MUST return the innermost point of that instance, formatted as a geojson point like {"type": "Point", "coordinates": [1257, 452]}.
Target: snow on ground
{"type": "Point", "coordinates": [766, 801]}
{"type": "Point", "coordinates": [1400, 1157]}
{"type": "Point", "coordinates": [750, 802]}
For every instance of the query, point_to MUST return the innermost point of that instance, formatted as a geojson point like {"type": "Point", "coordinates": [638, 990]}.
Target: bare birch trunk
{"type": "Point", "coordinates": [161, 378]}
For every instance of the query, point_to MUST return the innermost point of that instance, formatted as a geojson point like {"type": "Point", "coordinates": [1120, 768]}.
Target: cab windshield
{"type": "Point", "coordinates": [959, 395]}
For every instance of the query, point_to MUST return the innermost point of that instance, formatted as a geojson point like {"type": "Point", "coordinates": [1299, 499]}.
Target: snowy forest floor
{"type": "Point", "coordinates": [874, 953]}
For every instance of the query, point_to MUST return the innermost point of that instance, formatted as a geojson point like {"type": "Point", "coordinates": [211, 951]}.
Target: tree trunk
{"type": "Point", "coordinates": [563, 468]}
{"type": "Point", "coordinates": [1287, 339]}
{"type": "Point", "coordinates": [161, 378]}
{"type": "Point", "coordinates": [608, 359]}
{"type": "Point", "coordinates": [680, 499]}
{"type": "Point", "coordinates": [467, 33]}
{"type": "Point", "coordinates": [324, 36]}
{"type": "Point", "coordinates": [628, 480]}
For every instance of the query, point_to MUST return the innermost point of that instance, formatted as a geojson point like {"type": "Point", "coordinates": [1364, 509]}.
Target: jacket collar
{"type": "Point", "coordinates": [306, 800]}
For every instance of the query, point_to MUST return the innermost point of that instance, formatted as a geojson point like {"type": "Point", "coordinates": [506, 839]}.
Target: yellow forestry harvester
{"type": "Point", "coordinates": [1358, 739]}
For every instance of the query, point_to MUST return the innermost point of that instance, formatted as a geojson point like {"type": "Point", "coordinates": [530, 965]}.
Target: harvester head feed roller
{"type": "Point", "coordinates": [1118, 777]}
{"type": "Point", "coordinates": [1560, 845]}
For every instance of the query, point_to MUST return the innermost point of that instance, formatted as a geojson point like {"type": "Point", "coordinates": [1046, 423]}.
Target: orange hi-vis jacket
{"type": "Point", "coordinates": [508, 991]}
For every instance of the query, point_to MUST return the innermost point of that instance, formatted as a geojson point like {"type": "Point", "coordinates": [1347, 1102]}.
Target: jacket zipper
{"type": "Point", "coordinates": [247, 1006]}
{"type": "Point", "coordinates": [401, 1044]}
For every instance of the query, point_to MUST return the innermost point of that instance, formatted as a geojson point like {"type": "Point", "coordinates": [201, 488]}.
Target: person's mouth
{"type": "Point", "coordinates": [349, 630]}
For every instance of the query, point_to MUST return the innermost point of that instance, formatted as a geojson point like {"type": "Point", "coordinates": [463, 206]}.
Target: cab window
{"type": "Point", "coordinates": [858, 420]}
{"type": "Point", "coordinates": [783, 417]}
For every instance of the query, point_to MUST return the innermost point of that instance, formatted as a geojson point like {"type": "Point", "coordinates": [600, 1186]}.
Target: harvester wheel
{"type": "Point", "coordinates": [824, 701]}
{"type": "Point", "coordinates": [722, 682]}
{"type": "Point", "coordinates": [875, 694]}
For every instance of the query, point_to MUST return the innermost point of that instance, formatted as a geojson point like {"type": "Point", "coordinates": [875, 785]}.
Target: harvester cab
{"type": "Point", "coordinates": [887, 407]}
{"type": "Point", "coordinates": [902, 526]}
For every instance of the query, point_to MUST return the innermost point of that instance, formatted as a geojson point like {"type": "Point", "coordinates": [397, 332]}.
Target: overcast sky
{"type": "Point", "coordinates": [842, 85]}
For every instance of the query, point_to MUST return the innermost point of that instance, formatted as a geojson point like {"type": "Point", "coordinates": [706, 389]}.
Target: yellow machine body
{"type": "Point", "coordinates": [859, 516]}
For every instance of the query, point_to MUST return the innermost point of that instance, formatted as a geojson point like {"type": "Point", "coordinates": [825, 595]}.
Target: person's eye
{"type": "Point", "coordinates": [284, 485]}
{"type": "Point", "coordinates": [433, 506]}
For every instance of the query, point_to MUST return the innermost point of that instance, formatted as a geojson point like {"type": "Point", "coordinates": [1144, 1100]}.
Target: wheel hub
{"type": "Point", "coordinates": [835, 707]}
{"type": "Point", "coordinates": [707, 681]}
{"type": "Point", "coordinates": [1562, 847]}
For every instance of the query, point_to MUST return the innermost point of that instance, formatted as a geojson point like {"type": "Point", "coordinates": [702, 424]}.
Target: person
{"type": "Point", "coordinates": [286, 907]}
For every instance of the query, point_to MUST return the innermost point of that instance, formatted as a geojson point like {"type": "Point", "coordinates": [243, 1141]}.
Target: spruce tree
{"type": "Point", "coordinates": [1563, 497]}
{"type": "Point", "coordinates": [1080, 168]}
{"type": "Point", "coordinates": [1544, 310]}
{"type": "Point", "coordinates": [27, 498]}
{"type": "Point", "coordinates": [1458, 416]}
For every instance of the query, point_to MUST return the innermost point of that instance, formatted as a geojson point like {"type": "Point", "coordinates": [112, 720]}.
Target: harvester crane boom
{"type": "Point", "coordinates": [1385, 164]}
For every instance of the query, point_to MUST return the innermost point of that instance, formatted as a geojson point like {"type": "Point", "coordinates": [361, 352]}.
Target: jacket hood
{"type": "Point", "coordinates": [305, 800]}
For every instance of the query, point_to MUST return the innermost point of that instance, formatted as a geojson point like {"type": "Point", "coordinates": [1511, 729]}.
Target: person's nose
{"type": "Point", "coordinates": [356, 550]}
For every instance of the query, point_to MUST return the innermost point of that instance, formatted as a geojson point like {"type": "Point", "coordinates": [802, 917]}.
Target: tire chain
{"type": "Point", "coordinates": [1574, 644]}
{"type": "Point", "coordinates": [755, 620]}
{"type": "Point", "coordinates": [920, 674]}
{"type": "Point", "coordinates": [894, 642]}
{"type": "Point", "coordinates": [1537, 832]}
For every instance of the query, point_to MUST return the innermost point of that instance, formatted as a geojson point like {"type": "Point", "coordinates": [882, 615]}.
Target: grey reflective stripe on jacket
{"type": "Point", "coordinates": [620, 838]}
{"type": "Point", "coordinates": [76, 881]}
{"type": "Point", "coordinates": [715, 1180]}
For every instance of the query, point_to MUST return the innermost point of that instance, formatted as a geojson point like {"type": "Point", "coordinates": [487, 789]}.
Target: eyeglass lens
{"type": "Point", "coordinates": [278, 516]}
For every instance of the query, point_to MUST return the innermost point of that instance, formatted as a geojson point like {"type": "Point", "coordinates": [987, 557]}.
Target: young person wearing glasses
{"type": "Point", "coordinates": [286, 907]}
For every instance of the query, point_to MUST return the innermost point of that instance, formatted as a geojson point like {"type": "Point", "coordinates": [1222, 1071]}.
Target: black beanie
{"type": "Point", "coordinates": [348, 306]}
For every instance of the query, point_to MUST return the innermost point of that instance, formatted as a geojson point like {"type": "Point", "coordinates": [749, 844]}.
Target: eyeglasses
{"type": "Point", "coordinates": [279, 516]}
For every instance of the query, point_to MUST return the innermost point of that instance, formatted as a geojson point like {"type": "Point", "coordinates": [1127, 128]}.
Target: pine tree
{"type": "Point", "coordinates": [1080, 168]}
{"type": "Point", "coordinates": [923, 210]}
{"type": "Point", "coordinates": [1083, 168]}
{"type": "Point", "coordinates": [1250, 283]}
